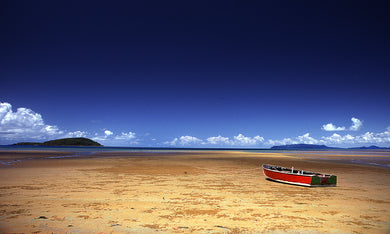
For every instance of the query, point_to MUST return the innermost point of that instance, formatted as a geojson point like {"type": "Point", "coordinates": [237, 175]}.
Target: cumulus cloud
{"type": "Point", "coordinates": [374, 138]}
{"type": "Point", "coordinates": [125, 136]}
{"type": "Point", "coordinates": [285, 141]}
{"type": "Point", "coordinates": [76, 134]}
{"type": "Point", "coordinates": [185, 140]}
{"type": "Point", "coordinates": [218, 140]}
{"type": "Point", "coordinates": [331, 127]}
{"type": "Point", "coordinates": [356, 124]}
{"type": "Point", "coordinates": [108, 133]}
{"type": "Point", "coordinates": [385, 134]}
{"type": "Point", "coordinates": [173, 142]}
{"type": "Point", "coordinates": [239, 140]}
{"type": "Point", "coordinates": [338, 139]}
{"type": "Point", "coordinates": [24, 124]}
{"type": "Point", "coordinates": [122, 139]}
{"type": "Point", "coordinates": [304, 139]}
{"type": "Point", "coordinates": [99, 138]}
{"type": "Point", "coordinates": [247, 141]}
{"type": "Point", "coordinates": [381, 138]}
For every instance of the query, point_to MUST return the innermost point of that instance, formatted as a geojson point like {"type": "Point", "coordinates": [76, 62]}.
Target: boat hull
{"type": "Point", "coordinates": [296, 177]}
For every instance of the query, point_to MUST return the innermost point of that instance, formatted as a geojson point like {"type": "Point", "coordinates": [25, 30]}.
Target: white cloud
{"type": "Point", "coordinates": [338, 139]}
{"type": "Point", "coordinates": [385, 134]}
{"type": "Point", "coordinates": [356, 124]}
{"type": "Point", "coordinates": [374, 138]}
{"type": "Point", "coordinates": [218, 140]}
{"type": "Point", "coordinates": [285, 141]}
{"type": "Point", "coordinates": [331, 127]}
{"type": "Point", "coordinates": [76, 134]}
{"type": "Point", "coordinates": [184, 140]}
{"type": "Point", "coordinates": [381, 138]}
{"type": "Point", "coordinates": [124, 136]}
{"type": "Point", "coordinates": [368, 137]}
{"type": "Point", "coordinates": [306, 139]}
{"type": "Point", "coordinates": [51, 130]}
{"type": "Point", "coordinates": [22, 118]}
{"type": "Point", "coordinates": [24, 124]}
{"type": "Point", "coordinates": [173, 142]}
{"type": "Point", "coordinates": [123, 139]}
{"type": "Point", "coordinates": [108, 133]}
{"type": "Point", "coordinates": [242, 140]}
{"type": "Point", "coordinates": [4, 109]}
{"type": "Point", "coordinates": [239, 140]}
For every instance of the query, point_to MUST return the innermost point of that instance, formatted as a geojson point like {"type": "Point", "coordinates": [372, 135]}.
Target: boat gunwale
{"type": "Point", "coordinates": [292, 173]}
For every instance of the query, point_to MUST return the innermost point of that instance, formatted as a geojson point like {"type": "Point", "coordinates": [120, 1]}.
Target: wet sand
{"type": "Point", "coordinates": [201, 192]}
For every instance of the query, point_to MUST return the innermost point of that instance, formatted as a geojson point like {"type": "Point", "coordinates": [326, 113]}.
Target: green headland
{"type": "Point", "coordinates": [79, 141]}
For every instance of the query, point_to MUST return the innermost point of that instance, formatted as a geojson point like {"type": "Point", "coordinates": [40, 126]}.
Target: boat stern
{"type": "Point", "coordinates": [323, 180]}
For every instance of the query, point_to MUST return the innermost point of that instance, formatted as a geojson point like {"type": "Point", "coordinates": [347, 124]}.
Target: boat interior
{"type": "Point", "coordinates": [292, 170]}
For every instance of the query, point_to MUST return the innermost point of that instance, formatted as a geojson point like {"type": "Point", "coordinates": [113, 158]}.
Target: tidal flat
{"type": "Point", "coordinates": [186, 192]}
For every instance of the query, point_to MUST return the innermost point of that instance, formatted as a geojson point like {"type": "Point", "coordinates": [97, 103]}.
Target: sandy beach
{"type": "Point", "coordinates": [190, 192]}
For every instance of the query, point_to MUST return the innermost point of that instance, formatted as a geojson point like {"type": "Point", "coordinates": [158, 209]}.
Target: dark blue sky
{"type": "Point", "coordinates": [157, 71]}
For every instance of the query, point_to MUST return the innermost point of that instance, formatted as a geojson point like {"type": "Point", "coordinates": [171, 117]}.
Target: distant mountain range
{"type": "Point", "coordinates": [318, 147]}
{"type": "Point", "coordinates": [370, 147]}
{"type": "Point", "coordinates": [81, 141]}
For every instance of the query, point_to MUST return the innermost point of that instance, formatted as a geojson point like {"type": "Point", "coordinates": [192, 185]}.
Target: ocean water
{"type": "Point", "coordinates": [379, 158]}
{"type": "Point", "coordinates": [86, 151]}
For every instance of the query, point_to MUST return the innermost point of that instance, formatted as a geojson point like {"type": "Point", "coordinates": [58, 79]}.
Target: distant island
{"type": "Point", "coordinates": [370, 147]}
{"type": "Point", "coordinates": [301, 147]}
{"type": "Point", "coordinates": [80, 141]}
{"type": "Point", "coordinates": [318, 147]}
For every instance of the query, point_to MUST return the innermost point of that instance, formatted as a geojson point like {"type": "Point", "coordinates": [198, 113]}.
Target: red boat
{"type": "Point", "coordinates": [298, 177]}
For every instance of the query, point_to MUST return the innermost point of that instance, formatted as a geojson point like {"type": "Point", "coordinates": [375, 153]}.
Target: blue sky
{"type": "Point", "coordinates": [199, 74]}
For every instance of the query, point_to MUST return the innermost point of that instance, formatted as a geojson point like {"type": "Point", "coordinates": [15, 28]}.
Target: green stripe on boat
{"type": "Point", "coordinates": [315, 180]}
{"type": "Point", "coordinates": [332, 180]}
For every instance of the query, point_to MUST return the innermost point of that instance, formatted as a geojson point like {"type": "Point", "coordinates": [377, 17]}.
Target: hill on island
{"type": "Point", "coordinates": [373, 147]}
{"type": "Point", "coordinates": [321, 147]}
{"type": "Point", "coordinates": [80, 141]}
